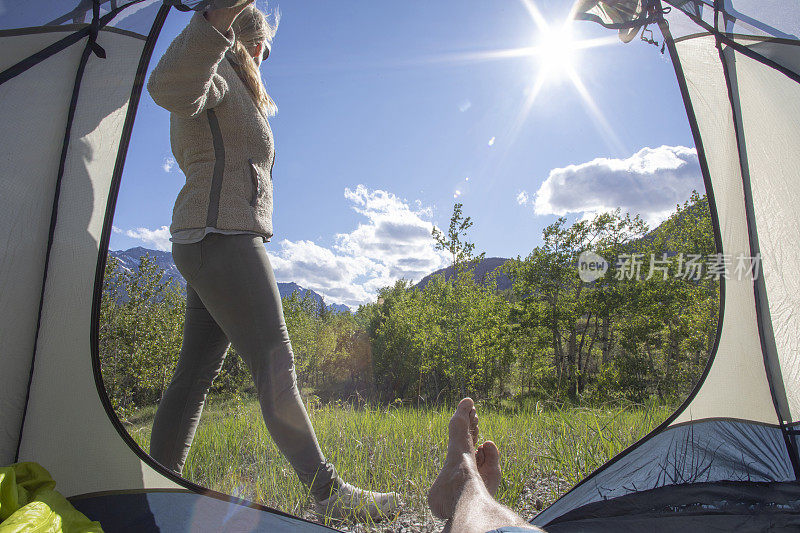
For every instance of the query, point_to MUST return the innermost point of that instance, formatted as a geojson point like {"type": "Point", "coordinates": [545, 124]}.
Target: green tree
{"type": "Point", "coordinates": [391, 328]}
{"type": "Point", "coordinates": [140, 332]}
{"type": "Point", "coordinates": [551, 297]}
{"type": "Point", "coordinates": [668, 322]}
{"type": "Point", "coordinates": [455, 243]}
{"type": "Point", "coordinates": [461, 252]}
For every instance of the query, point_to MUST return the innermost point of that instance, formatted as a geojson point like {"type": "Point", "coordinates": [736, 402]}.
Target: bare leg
{"type": "Point", "coordinates": [459, 492]}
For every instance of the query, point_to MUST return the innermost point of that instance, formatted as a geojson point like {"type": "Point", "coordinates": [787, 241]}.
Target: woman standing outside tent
{"type": "Point", "coordinates": [209, 80]}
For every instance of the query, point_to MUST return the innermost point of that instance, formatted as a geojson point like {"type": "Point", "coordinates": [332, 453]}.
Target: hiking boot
{"type": "Point", "coordinates": [358, 505]}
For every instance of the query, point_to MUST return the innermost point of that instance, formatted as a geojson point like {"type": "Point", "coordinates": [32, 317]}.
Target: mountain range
{"type": "Point", "coordinates": [129, 260]}
{"type": "Point", "coordinates": [481, 272]}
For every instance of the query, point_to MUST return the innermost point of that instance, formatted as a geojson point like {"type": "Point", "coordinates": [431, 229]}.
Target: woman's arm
{"type": "Point", "coordinates": [223, 18]}
{"type": "Point", "coordinates": [186, 81]}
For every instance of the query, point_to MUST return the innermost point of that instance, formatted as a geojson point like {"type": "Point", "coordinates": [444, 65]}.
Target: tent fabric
{"type": "Point", "coordinates": [36, 105]}
{"type": "Point", "coordinates": [153, 511]}
{"type": "Point", "coordinates": [627, 16]}
{"type": "Point", "coordinates": [700, 452]}
{"type": "Point", "coordinates": [744, 507]}
{"type": "Point", "coordinates": [20, 200]}
{"type": "Point", "coordinates": [70, 81]}
{"type": "Point", "coordinates": [126, 15]}
{"type": "Point", "coordinates": [60, 310]}
{"type": "Point", "coordinates": [761, 17]}
{"type": "Point", "coordinates": [703, 523]}
{"type": "Point", "coordinates": [736, 386]}
{"type": "Point", "coordinates": [95, 136]}
{"type": "Point", "coordinates": [738, 72]}
{"type": "Point", "coordinates": [770, 133]}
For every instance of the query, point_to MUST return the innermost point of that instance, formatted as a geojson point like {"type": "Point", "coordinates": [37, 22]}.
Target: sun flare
{"type": "Point", "coordinates": [555, 52]}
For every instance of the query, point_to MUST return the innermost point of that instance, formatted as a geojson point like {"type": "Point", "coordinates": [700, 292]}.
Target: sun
{"type": "Point", "coordinates": [553, 55]}
{"type": "Point", "coordinates": [555, 52]}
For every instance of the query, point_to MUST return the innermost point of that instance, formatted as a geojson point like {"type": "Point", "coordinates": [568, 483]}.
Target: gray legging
{"type": "Point", "coordinates": [232, 295]}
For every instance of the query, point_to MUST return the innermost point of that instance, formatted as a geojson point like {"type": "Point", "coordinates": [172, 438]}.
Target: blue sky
{"type": "Point", "coordinates": [391, 112]}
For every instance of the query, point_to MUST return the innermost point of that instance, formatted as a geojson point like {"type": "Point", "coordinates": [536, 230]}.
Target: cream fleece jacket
{"type": "Point", "coordinates": [220, 139]}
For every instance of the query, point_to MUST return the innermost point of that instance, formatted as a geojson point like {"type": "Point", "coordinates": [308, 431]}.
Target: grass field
{"type": "Point", "coordinates": [544, 451]}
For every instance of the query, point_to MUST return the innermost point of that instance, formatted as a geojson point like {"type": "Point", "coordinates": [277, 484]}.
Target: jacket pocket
{"type": "Point", "coordinates": [256, 183]}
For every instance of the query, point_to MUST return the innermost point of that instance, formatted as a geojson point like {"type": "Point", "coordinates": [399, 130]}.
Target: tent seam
{"type": "Point", "coordinates": [34, 30]}
{"type": "Point", "coordinates": [740, 48]}
{"type": "Point", "coordinates": [37, 57]}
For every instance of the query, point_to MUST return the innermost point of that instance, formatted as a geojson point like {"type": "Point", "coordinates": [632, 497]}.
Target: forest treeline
{"type": "Point", "coordinates": [642, 330]}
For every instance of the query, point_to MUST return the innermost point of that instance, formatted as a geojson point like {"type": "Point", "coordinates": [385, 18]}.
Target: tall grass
{"type": "Point", "coordinates": [401, 448]}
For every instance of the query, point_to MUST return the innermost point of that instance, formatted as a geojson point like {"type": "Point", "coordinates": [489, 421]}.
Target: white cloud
{"type": "Point", "coordinates": [115, 229]}
{"type": "Point", "coordinates": [650, 183]}
{"type": "Point", "coordinates": [491, 141]}
{"type": "Point", "coordinates": [326, 272]}
{"type": "Point", "coordinates": [457, 193]}
{"type": "Point", "coordinates": [522, 198]}
{"type": "Point", "coordinates": [464, 106]}
{"type": "Point", "coordinates": [158, 238]}
{"type": "Point", "coordinates": [394, 242]}
{"type": "Point", "coordinates": [393, 234]}
{"type": "Point", "coordinates": [169, 164]}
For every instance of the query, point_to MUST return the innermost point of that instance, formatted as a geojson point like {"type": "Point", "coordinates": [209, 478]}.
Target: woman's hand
{"type": "Point", "coordinates": [222, 18]}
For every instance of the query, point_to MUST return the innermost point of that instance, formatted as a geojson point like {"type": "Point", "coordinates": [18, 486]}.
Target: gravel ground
{"type": "Point", "coordinates": [539, 493]}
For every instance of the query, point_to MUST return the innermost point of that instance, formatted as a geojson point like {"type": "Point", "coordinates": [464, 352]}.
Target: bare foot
{"type": "Point", "coordinates": [459, 464]}
{"type": "Point", "coordinates": [473, 426]}
{"type": "Point", "coordinates": [487, 457]}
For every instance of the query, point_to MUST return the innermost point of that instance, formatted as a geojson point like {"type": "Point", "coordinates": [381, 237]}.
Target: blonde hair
{"type": "Point", "coordinates": [251, 28]}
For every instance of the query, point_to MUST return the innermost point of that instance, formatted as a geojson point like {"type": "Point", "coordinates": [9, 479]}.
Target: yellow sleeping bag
{"type": "Point", "coordinates": [29, 503]}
